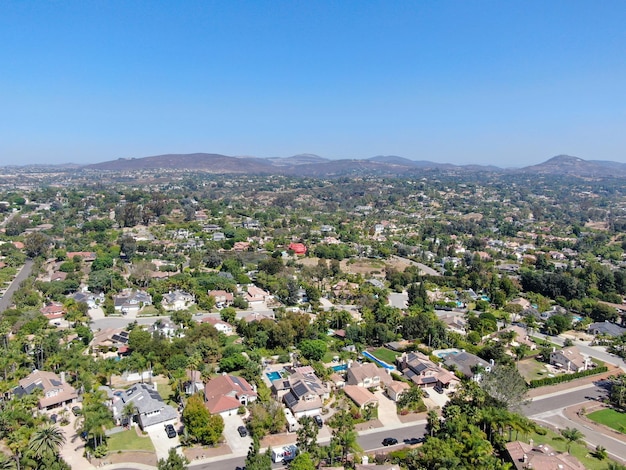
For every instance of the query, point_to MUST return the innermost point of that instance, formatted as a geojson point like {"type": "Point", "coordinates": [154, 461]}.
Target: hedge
{"type": "Point", "coordinates": [566, 377]}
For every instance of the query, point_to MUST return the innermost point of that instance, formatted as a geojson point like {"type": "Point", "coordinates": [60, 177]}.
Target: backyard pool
{"type": "Point", "coordinates": [340, 368]}
{"type": "Point", "coordinates": [273, 376]}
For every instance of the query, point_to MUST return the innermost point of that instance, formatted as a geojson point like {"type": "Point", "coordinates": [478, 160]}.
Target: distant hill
{"type": "Point", "coordinates": [316, 166]}
{"type": "Point", "coordinates": [574, 166]}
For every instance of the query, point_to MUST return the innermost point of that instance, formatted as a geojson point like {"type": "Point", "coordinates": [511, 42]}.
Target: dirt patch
{"type": "Point", "coordinates": [195, 453]}
{"type": "Point", "coordinates": [374, 423]}
{"type": "Point", "coordinates": [411, 417]}
{"type": "Point", "coordinates": [146, 458]}
{"type": "Point", "coordinates": [276, 440]}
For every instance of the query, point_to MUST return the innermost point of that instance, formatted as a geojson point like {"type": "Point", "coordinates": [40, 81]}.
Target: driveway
{"type": "Point", "coordinates": [161, 442]}
{"type": "Point", "coordinates": [238, 445]}
{"type": "Point", "coordinates": [387, 412]}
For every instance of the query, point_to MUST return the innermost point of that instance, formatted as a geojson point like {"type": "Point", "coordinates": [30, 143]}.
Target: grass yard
{"type": "Point", "coordinates": [532, 369]}
{"type": "Point", "coordinates": [129, 440]}
{"type": "Point", "coordinates": [386, 355]}
{"type": "Point", "coordinates": [165, 390]}
{"type": "Point", "coordinates": [611, 418]}
{"type": "Point", "coordinates": [580, 451]}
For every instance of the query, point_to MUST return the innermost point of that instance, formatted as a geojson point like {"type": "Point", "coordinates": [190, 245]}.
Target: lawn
{"type": "Point", "coordinates": [129, 440]}
{"type": "Point", "coordinates": [386, 355]}
{"type": "Point", "coordinates": [532, 369]}
{"type": "Point", "coordinates": [580, 451]}
{"type": "Point", "coordinates": [165, 390]}
{"type": "Point", "coordinates": [611, 418]}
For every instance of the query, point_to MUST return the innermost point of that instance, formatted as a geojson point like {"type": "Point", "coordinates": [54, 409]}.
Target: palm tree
{"type": "Point", "coordinates": [572, 435]}
{"type": "Point", "coordinates": [46, 442]}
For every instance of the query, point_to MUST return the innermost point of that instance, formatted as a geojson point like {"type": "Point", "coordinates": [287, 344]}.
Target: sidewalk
{"type": "Point", "coordinates": [573, 413]}
{"type": "Point", "coordinates": [574, 384]}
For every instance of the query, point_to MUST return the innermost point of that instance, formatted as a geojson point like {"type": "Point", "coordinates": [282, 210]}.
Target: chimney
{"type": "Point", "coordinates": [525, 458]}
{"type": "Point", "coordinates": [62, 376]}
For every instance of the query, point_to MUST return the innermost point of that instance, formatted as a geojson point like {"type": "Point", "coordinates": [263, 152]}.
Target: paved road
{"type": "Point", "coordinates": [427, 270]}
{"type": "Point", "coordinates": [550, 409]}
{"type": "Point", "coordinates": [5, 301]}
{"type": "Point", "coordinates": [368, 440]}
{"type": "Point", "coordinates": [597, 352]}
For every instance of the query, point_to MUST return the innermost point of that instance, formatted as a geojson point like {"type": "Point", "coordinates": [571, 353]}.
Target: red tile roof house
{"type": "Point", "coordinates": [56, 392]}
{"type": "Point", "coordinates": [53, 310]}
{"type": "Point", "coordinates": [220, 325]}
{"type": "Point", "coordinates": [224, 395]}
{"type": "Point", "coordinates": [298, 248]}
{"type": "Point", "coordinates": [87, 256]}
{"type": "Point", "coordinates": [362, 397]}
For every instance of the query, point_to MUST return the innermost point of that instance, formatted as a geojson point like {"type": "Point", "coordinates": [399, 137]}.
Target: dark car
{"type": "Point", "coordinates": [390, 441]}
{"type": "Point", "coordinates": [76, 410]}
{"type": "Point", "coordinates": [243, 432]}
{"type": "Point", "coordinates": [171, 432]}
{"type": "Point", "coordinates": [318, 420]}
{"type": "Point", "coordinates": [438, 389]}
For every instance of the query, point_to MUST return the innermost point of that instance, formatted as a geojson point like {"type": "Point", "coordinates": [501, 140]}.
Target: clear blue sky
{"type": "Point", "coordinates": [490, 82]}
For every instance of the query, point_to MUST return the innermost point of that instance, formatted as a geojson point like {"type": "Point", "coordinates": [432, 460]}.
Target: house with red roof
{"type": "Point", "coordinates": [53, 310]}
{"type": "Point", "coordinates": [298, 248]}
{"type": "Point", "coordinates": [224, 394]}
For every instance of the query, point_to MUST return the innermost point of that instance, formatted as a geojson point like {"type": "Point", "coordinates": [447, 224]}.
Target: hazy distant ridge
{"type": "Point", "coordinates": [314, 165]}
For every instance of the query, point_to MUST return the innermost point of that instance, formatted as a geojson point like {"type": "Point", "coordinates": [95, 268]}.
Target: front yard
{"type": "Point", "coordinates": [611, 418]}
{"type": "Point", "coordinates": [129, 440]}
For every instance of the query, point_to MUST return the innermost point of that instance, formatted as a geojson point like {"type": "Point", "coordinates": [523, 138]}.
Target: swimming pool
{"type": "Point", "coordinates": [273, 376]}
{"type": "Point", "coordinates": [340, 368]}
{"type": "Point", "coordinates": [378, 361]}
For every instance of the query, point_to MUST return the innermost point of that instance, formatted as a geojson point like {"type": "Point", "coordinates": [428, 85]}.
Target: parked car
{"type": "Point", "coordinates": [390, 441]}
{"type": "Point", "coordinates": [76, 410]}
{"type": "Point", "coordinates": [438, 389]}
{"type": "Point", "coordinates": [171, 432]}
{"type": "Point", "coordinates": [243, 432]}
{"type": "Point", "coordinates": [318, 420]}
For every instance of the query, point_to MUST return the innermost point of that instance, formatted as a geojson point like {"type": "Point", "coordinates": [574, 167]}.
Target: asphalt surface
{"type": "Point", "coordinates": [5, 301]}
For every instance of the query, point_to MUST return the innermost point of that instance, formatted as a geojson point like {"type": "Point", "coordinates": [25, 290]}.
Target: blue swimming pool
{"type": "Point", "coordinates": [378, 361]}
{"type": "Point", "coordinates": [340, 368]}
{"type": "Point", "coordinates": [273, 376]}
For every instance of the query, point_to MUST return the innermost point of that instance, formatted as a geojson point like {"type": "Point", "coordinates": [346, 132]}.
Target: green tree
{"type": "Point", "coordinates": [505, 385]}
{"type": "Point", "coordinates": [343, 433]}
{"type": "Point", "coordinates": [307, 435]}
{"type": "Point", "coordinates": [204, 427]}
{"type": "Point", "coordinates": [46, 442]}
{"type": "Point", "coordinates": [173, 462]}
{"type": "Point", "coordinates": [302, 462]}
{"type": "Point", "coordinates": [572, 435]}
{"type": "Point", "coordinates": [313, 349]}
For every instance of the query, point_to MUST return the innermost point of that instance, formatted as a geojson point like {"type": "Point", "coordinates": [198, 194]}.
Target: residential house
{"type": "Point", "coordinates": [305, 392]}
{"type": "Point", "coordinates": [92, 300]}
{"type": "Point", "coordinates": [53, 310]}
{"type": "Point", "coordinates": [194, 382]}
{"type": "Point", "coordinates": [131, 301]}
{"type": "Point", "coordinates": [525, 456]}
{"type": "Point", "coordinates": [470, 365]}
{"type": "Point", "coordinates": [56, 391]}
{"type": "Point", "coordinates": [570, 359]}
{"type": "Point", "coordinates": [149, 408]}
{"type": "Point", "coordinates": [220, 325]}
{"type": "Point", "coordinates": [166, 328]}
{"type": "Point", "coordinates": [367, 375]}
{"type": "Point", "coordinates": [606, 328]}
{"type": "Point", "coordinates": [87, 256]}
{"type": "Point", "coordinates": [298, 248]}
{"type": "Point", "coordinates": [177, 300]}
{"type": "Point", "coordinates": [58, 276]}
{"type": "Point", "coordinates": [424, 373]}
{"type": "Point", "coordinates": [395, 389]}
{"type": "Point", "coordinates": [222, 298]}
{"type": "Point", "coordinates": [520, 336]}
{"type": "Point", "coordinates": [226, 393]}
{"type": "Point", "coordinates": [362, 397]}
{"type": "Point", "coordinates": [255, 296]}
{"type": "Point", "coordinates": [108, 339]}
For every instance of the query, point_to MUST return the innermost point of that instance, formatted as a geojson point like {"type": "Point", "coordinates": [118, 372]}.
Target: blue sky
{"type": "Point", "coordinates": [508, 83]}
